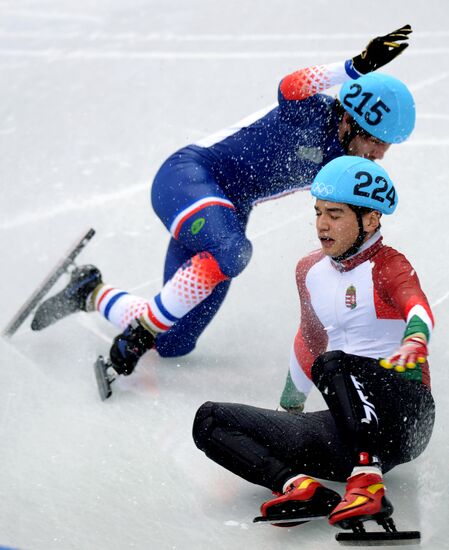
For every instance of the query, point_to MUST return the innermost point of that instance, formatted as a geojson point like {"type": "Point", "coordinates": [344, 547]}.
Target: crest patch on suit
{"type": "Point", "coordinates": [351, 297]}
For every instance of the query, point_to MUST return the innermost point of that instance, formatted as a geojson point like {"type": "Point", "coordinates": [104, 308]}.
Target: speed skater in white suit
{"type": "Point", "coordinates": [362, 341]}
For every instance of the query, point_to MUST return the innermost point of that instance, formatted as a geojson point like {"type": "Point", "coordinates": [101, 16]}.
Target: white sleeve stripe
{"type": "Point", "coordinates": [337, 73]}
{"type": "Point", "coordinates": [422, 314]}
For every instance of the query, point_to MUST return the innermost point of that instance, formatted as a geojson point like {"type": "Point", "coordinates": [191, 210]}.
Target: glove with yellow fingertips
{"type": "Point", "coordinates": [381, 50]}
{"type": "Point", "coordinates": [409, 358]}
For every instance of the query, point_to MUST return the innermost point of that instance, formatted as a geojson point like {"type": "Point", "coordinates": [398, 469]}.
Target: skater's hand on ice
{"type": "Point", "coordinates": [413, 351]}
{"type": "Point", "coordinates": [381, 50]}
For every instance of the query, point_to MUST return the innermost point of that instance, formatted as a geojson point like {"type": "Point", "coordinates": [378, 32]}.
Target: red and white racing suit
{"type": "Point", "coordinates": [361, 306]}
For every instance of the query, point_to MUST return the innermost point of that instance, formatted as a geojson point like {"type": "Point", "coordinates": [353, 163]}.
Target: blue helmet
{"type": "Point", "coordinates": [356, 181]}
{"type": "Point", "coordinates": [381, 104]}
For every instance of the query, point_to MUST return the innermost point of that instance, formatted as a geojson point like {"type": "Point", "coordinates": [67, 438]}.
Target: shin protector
{"type": "Point", "coordinates": [338, 376]}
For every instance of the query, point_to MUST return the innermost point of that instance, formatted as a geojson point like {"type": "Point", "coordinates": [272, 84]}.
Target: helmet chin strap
{"type": "Point", "coordinates": [355, 247]}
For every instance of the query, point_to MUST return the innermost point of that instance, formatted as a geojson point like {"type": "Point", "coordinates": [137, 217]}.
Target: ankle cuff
{"type": "Point", "coordinates": [92, 298]}
{"type": "Point", "coordinates": [366, 470]}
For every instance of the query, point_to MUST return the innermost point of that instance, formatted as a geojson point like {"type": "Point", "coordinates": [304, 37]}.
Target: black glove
{"type": "Point", "coordinates": [129, 346]}
{"type": "Point", "coordinates": [381, 50]}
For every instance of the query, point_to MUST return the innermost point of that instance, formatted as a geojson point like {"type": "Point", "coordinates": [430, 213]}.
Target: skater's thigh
{"type": "Point", "coordinates": [309, 441]}
{"type": "Point", "coordinates": [181, 187]}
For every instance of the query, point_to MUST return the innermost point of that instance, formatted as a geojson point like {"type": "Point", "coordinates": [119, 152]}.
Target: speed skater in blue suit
{"type": "Point", "coordinates": [204, 193]}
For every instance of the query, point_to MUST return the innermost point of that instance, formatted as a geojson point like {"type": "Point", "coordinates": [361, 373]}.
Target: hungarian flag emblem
{"type": "Point", "coordinates": [351, 297]}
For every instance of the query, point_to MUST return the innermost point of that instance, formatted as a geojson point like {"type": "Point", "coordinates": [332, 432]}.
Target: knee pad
{"type": "Point", "coordinates": [326, 365]}
{"type": "Point", "coordinates": [350, 405]}
{"type": "Point", "coordinates": [233, 254]}
{"type": "Point", "coordinates": [332, 375]}
{"type": "Point", "coordinates": [217, 230]}
{"type": "Point", "coordinates": [203, 425]}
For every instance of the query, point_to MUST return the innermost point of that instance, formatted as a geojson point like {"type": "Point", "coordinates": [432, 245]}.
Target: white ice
{"type": "Point", "coordinates": [94, 96]}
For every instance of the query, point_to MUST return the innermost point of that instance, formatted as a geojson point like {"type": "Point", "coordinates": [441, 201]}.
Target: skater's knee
{"type": "Point", "coordinates": [327, 365]}
{"type": "Point", "coordinates": [203, 425]}
{"type": "Point", "coordinates": [233, 254]}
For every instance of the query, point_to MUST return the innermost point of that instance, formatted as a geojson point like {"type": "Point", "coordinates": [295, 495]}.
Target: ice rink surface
{"type": "Point", "coordinates": [94, 95]}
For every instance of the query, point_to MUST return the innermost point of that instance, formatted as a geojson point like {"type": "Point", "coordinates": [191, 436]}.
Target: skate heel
{"type": "Point", "coordinates": [390, 537]}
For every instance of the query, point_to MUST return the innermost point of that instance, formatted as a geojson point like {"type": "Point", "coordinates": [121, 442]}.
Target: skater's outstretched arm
{"type": "Point", "coordinates": [397, 284]}
{"type": "Point", "coordinates": [308, 81]}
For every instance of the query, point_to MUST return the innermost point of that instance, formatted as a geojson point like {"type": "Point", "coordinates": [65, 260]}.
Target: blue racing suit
{"type": "Point", "coordinates": [204, 192]}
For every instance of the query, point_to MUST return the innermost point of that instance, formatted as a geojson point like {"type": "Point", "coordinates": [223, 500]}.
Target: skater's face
{"type": "Point", "coordinates": [337, 226]}
{"type": "Point", "coordinates": [368, 147]}
{"type": "Point", "coordinates": [362, 145]}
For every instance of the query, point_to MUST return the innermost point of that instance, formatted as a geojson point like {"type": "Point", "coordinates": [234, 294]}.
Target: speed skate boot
{"type": "Point", "coordinates": [302, 499]}
{"type": "Point", "coordinates": [129, 346]}
{"type": "Point", "coordinates": [72, 298]}
{"type": "Point", "coordinates": [364, 500]}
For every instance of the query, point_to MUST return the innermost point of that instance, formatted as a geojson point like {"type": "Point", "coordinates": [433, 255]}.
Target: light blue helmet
{"type": "Point", "coordinates": [381, 104]}
{"type": "Point", "coordinates": [356, 181]}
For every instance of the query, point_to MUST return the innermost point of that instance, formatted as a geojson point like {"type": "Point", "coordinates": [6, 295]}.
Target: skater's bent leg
{"type": "Point", "coordinates": [269, 447]}
{"type": "Point", "coordinates": [221, 234]}
{"type": "Point", "coordinates": [202, 221]}
{"type": "Point", "coordinates": [223, 238]}
{"type": "Point", "coordinates": [191, 284]}
{"type": "Point", "coordinates": [350, 404]}
{"type": "Point", "coordinates": [182, 337]}
{"type": "Point", "coordinates": [404, 409]}
{"type": "Point", "coordinates": [222, 252]}
{"type": "Point", "coordinates": [227, 445]}
{"type": "Point", "coordinates": [197, 213]}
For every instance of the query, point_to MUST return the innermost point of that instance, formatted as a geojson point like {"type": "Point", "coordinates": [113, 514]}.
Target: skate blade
{"type": "Point", "coordinates": [397, 538]}
{"type": "Point", "coordinates": [282, 520]}
{"type": "Point", "coordinates": [47, 284]}
{"type": "Point", "coordinates": [103, 382]}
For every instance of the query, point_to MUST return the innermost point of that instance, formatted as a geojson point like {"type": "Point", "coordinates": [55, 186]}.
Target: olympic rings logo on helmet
{"type": "Point", "coordinates": [322, 189]}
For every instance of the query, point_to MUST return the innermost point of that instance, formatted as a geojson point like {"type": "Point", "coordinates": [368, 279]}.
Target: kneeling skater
{"type": "Point", "coordinates": [362, 341]}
